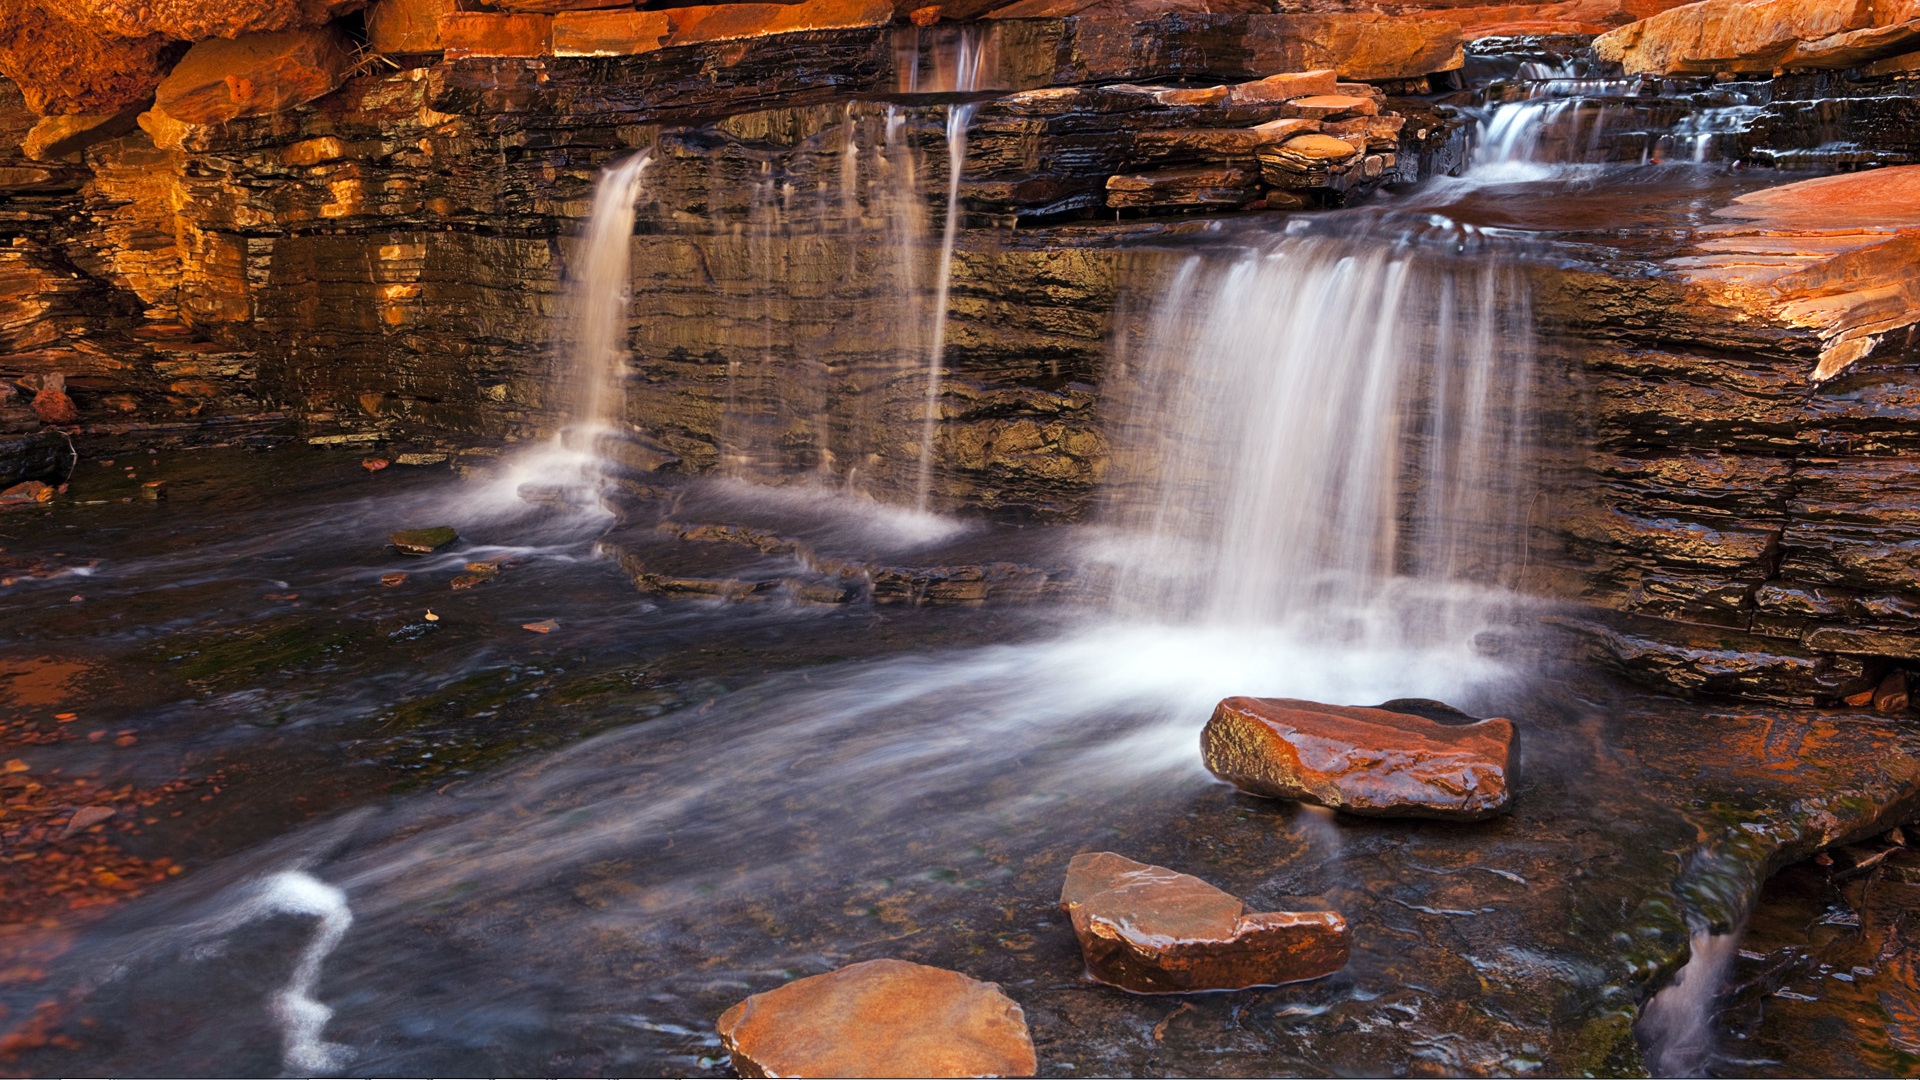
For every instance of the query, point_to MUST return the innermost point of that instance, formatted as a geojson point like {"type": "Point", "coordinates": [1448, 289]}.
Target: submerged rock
{"type": "Point", "coordinates": [880, 1018]}
{"type": "Point", "coordinates": [1154, 931]}
{"type": "Point", "coordinates": [423, 541]}
{"type": "Point", "coordinates": [1365, 761]}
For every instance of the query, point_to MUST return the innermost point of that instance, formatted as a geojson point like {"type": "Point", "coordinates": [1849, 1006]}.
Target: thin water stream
{"type": "Point", "coordinates": [1323, 462]}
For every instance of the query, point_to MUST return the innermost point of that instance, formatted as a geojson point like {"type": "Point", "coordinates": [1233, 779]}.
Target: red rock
{"type": "Point", "coordinates": [63, 67]}
{"type": "Point", "coordinates": [197, 20]}
{"type": "Point", "coordinates": [727, 22]}
{"type": "Point", "coordinates": [1564, 17]}
{"type": "Point", "coordinates": [1153, 931]}
{"type": "Point", "coordinates": [1364, 761]}
{"type": "Point", "coordinates": [1134, 10]}
{"type": "Point", "coordinates": [1284, 87]}
{"type": "Point", "coordinates": [1839, 255]}
{"type": "Point", "coordinates": [407, 26]}
{"type": "Point", "coordinates": [1761, 36]}
{"type": "Point", "coordinates": [486, 33]}
{"type": "Point", "coordinates": [32, 491]}
{"type": "Point", "coordinates": [1330, 107]}
{"type": "Point", "coordinates": [53, 406]}
{"type": "Point", "coordinates": [1361, 46]}
{"type": "Point", "coordinates": [1211, 95]}
{"type": "Point", "coordinates": [555, 7]}
{"type": "Point", "coordinates": [880, 1018]}
{"type": "Point", "coordinates": [220, 80]}
{"type": "Point", "coordinates": [609, 33]}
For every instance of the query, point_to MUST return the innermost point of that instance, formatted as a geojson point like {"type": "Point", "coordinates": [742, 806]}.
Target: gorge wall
{"type": "Point", "coordinates": [349, 227]}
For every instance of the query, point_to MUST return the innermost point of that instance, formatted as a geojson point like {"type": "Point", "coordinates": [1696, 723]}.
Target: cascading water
{"type": "Point", "coordinates": [1328, 434]}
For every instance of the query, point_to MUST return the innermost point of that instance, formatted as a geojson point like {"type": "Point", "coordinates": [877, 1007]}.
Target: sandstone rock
{"type": "Point", "coordinates": [1564, 17]}
{"type": "Point", "coordinates": [1760, 36]}
{"type": "Point", "coordinates": [1284, 87]}
{"type": "Point", "coordinates": [1204, 186]}
{"type": "Point", "coordinates": [1365, 761]}
{"type": "Point", "coordinates": [1210, 95]}
{"type": "Point", "coordinates": [727, 22]}
{"type": "Point", "coordinates": [1274, 132]}
{"type": "Point", "coordinates": [63, 67]}
{"type": "Point", "coordinates": [879, 1018]}
{"type": "Point", "coordinates": [220, 80]}
{"type": "Point", "coordinates": [1363, 46]}
{"type": "Point", "coordinates": [609, 33]}
{"type": "Point", "coordinates": [1138, 10]}
{"type": "Point", "coordinates": [407, 26]}
{"type": "Point", "coordinates": [1839, 256]}
{"type": "Point", "coordinates": [423, 541]}
{"type": "Point", "coordinates": [1330, 107]}
{"type": "Point", "coordinates": [486, 33]}
{"type": "Point", "coordinates": [57, 137]}
{"type": "Point", "coordinates": [1153, 931]}
{"type": "Point", "coordinates": [198, 20]}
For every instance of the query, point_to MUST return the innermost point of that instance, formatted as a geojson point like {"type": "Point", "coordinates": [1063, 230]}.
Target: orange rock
{"type": "Point", "coordinates": [197, 20]}
{"type": "Point", "coordinates": [726, 22]}
{"type": "Point", "coordinates": [1210, 95]}
{"type": "Point", "coordinates": [1330, 107]}
{"type": "Point", "coordinates": [1364, 761]}
{"type": "Point", "coordinates": [56, 137]}
{"type": "Point", "coordinates": [63, 67]}
{"type": "Point", "coordinates": [1838, 256]}
{"type": "Point", "coordinates": [1891, 695]}
{"type": "Point", "coordinates": [1563, 17]}
{"type": "Point", "coordinates": [220, 80]}
{"type": "Point", "coordinates": [1362, 46]}
{"type": "Point", "coordinates": [485, 33]}
{"type": "Point", "coordinates": [925, 16]}
{"type": "Point", "coordinates": [609, 33]}
{"type": "Point", "coordinates": [53, 406]}
{"type": "Point", "coordinates": [1760, 36]}
{"type": "Point", "coordinates": [1132, 10]}
{"type": "Point", "coordinates": [880, 1018]}
{"type": "Point", "coordinates": [1284, 87]}
{"type": "Point", "coordinates": [407, 26]}
{"type": "Point", "coordinates": [1153, 931]}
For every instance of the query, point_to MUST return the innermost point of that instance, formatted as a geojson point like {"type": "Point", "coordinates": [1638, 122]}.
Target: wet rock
{"type": "Point", "coordinates": [1153, 931]}
{"type": "Point", "coordinates": [423, 541]}
{"type": "Point", "coordinates": [1762, 36]}
{"type": "Point", "coordinates": [27, 494]}
{"type": "Point", "coordinates": [1374, 762]}
{"type": "Point", "coordinates": [1184, 187]}
{"type": "Point", "coordinates": [880, 1018]}
{"type": "Point", "coordinates": [220, 80]}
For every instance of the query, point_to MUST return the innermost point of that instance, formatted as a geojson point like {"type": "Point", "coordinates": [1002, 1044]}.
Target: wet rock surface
{"type": "Point", "coordinates": [1155, 931]}
{"type": "Point", "coordinates": [879, 1018]}
{"type": "Point", "coordinates": [1376, 762]}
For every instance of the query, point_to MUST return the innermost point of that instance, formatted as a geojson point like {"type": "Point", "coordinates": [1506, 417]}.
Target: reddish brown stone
{"type": "Point", "coordinates": [220, 80]}
{"type": "Point", "coordinates": [1284, 87]}
{"type": "Point", "coordinates": [197, 20]}
{"type": "Point", "coordinates": [880, 1018]}
{"type": "Point", "coordinates": [63, 67]}
{"type": "Point", "coordinates": [486, 33]}
{"type": "Point", "coordinates": [609, 33]}
{"type": "Point", "coordinates": [1153, 931]}
{"type": "Point", "coordinates": [54, 407]}
{"type": "Point", "coordinates": [726, 22]}
{"type": "Point", "coordinates": [407, 26]}
{"type": "Point", "coordinates": [1364, 761]}
{"type": "Point", "coordinates": [1761, 36]}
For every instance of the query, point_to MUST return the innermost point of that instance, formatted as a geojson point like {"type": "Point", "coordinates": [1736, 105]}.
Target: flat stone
{"type": "Point", "coordinates": [1154, 931]}
{"type": "Point", "coordinates": [423, 541]}
{"type": "Point", "coordinates": [1318, 147]}
{"type": "Point", "coordinates": [728, 22]}
{"type": "Point", "coordinates": [408, 26]}
{"type": "Point", "coordinates": [1284, 87]}
{"type": "Point", "coordinates": [1370, 761]}
{"type": "Point", "coordinates": [1200, 186]}
{"type": "Point", "coordinates": [485, 33]}
{"type": "Point", "coordinates": [609, 33]}
{"type": "Point", "coordinates": [1331, 107]}
{"type": "Point", "coordinates": [220, 80]}
{"type": "Point", "coordinates": [880, 1018]}
{"type": "Point", "coordinates": [1761, 36]}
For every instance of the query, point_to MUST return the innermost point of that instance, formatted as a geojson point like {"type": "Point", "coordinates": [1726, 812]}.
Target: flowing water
{"type": "Point", "coordinates": [1324, 452]}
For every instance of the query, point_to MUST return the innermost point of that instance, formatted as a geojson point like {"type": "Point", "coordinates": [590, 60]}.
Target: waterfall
{"type": "Point", "coordinates": [598, 296]}
{"type": "Point", "coordinates": [969, 59]}
{"type": "Point", "coordinates": [1326, 434]}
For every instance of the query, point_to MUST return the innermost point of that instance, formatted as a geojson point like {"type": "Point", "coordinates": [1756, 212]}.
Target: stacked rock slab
{"type": "Point", "coordinates": [1154, 931]}
{"type": "Point", "coordinates": [1760, 37]}
{"type": "Point", "coordinates": [1374, 762]}
{"type": "Point", "coordinates": [880, 1018]}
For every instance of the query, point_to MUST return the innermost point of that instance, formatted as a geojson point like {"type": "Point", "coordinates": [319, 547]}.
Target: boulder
{"type": "Point", "coordinates": [220, 80]}
{"type": "Point", "coordinates": [1153, 931]}
{"type": "Point", "coordinates": [63, 67]}
{"type": "Point", "coordinates": [1372, 761]}
{"type": "Point", "coordinates": [880, 1018]}
{"type": "Point", "coordinates": [1762, 36]}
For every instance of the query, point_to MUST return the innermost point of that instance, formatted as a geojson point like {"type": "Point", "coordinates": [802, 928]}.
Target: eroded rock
{"type": "Point", "coordinates": [1762, 36]}
{"type": "Point", "coordinates": [1154, 931]}
{"type": "Point", "coordinates": [221, 80]}
{"type": "Point", "coordinates": [880, 1018]}
{"type": "Point", "coordinates": [1370, 761]}
{"type": "Point", "coordinates": [63, 67]}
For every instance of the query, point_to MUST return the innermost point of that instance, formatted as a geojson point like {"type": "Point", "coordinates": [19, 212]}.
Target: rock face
{"type": "Point", "coordinates": [1153, 931]}
{"type": "Point", "coordinates": [1375, 762]}
{"type": "Point", "coordinates": [65, 68]}
{"type": "Point", "coordinates": [1838, 256]}
{"type": "Point", "coordinates": [1761, 36]}
{"type": "Point", "coordinates": [198, 20]}
{"type": "Point", "coordinates": [880, 1018]}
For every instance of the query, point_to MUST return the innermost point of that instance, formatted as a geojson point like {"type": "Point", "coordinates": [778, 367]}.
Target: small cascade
{"type": "Point", "coordinates": [968, 62]}
{"type": "Point", "coordinates": [1680, 1025]}
{"type": "Point", "coordinates": [1329, 435]}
